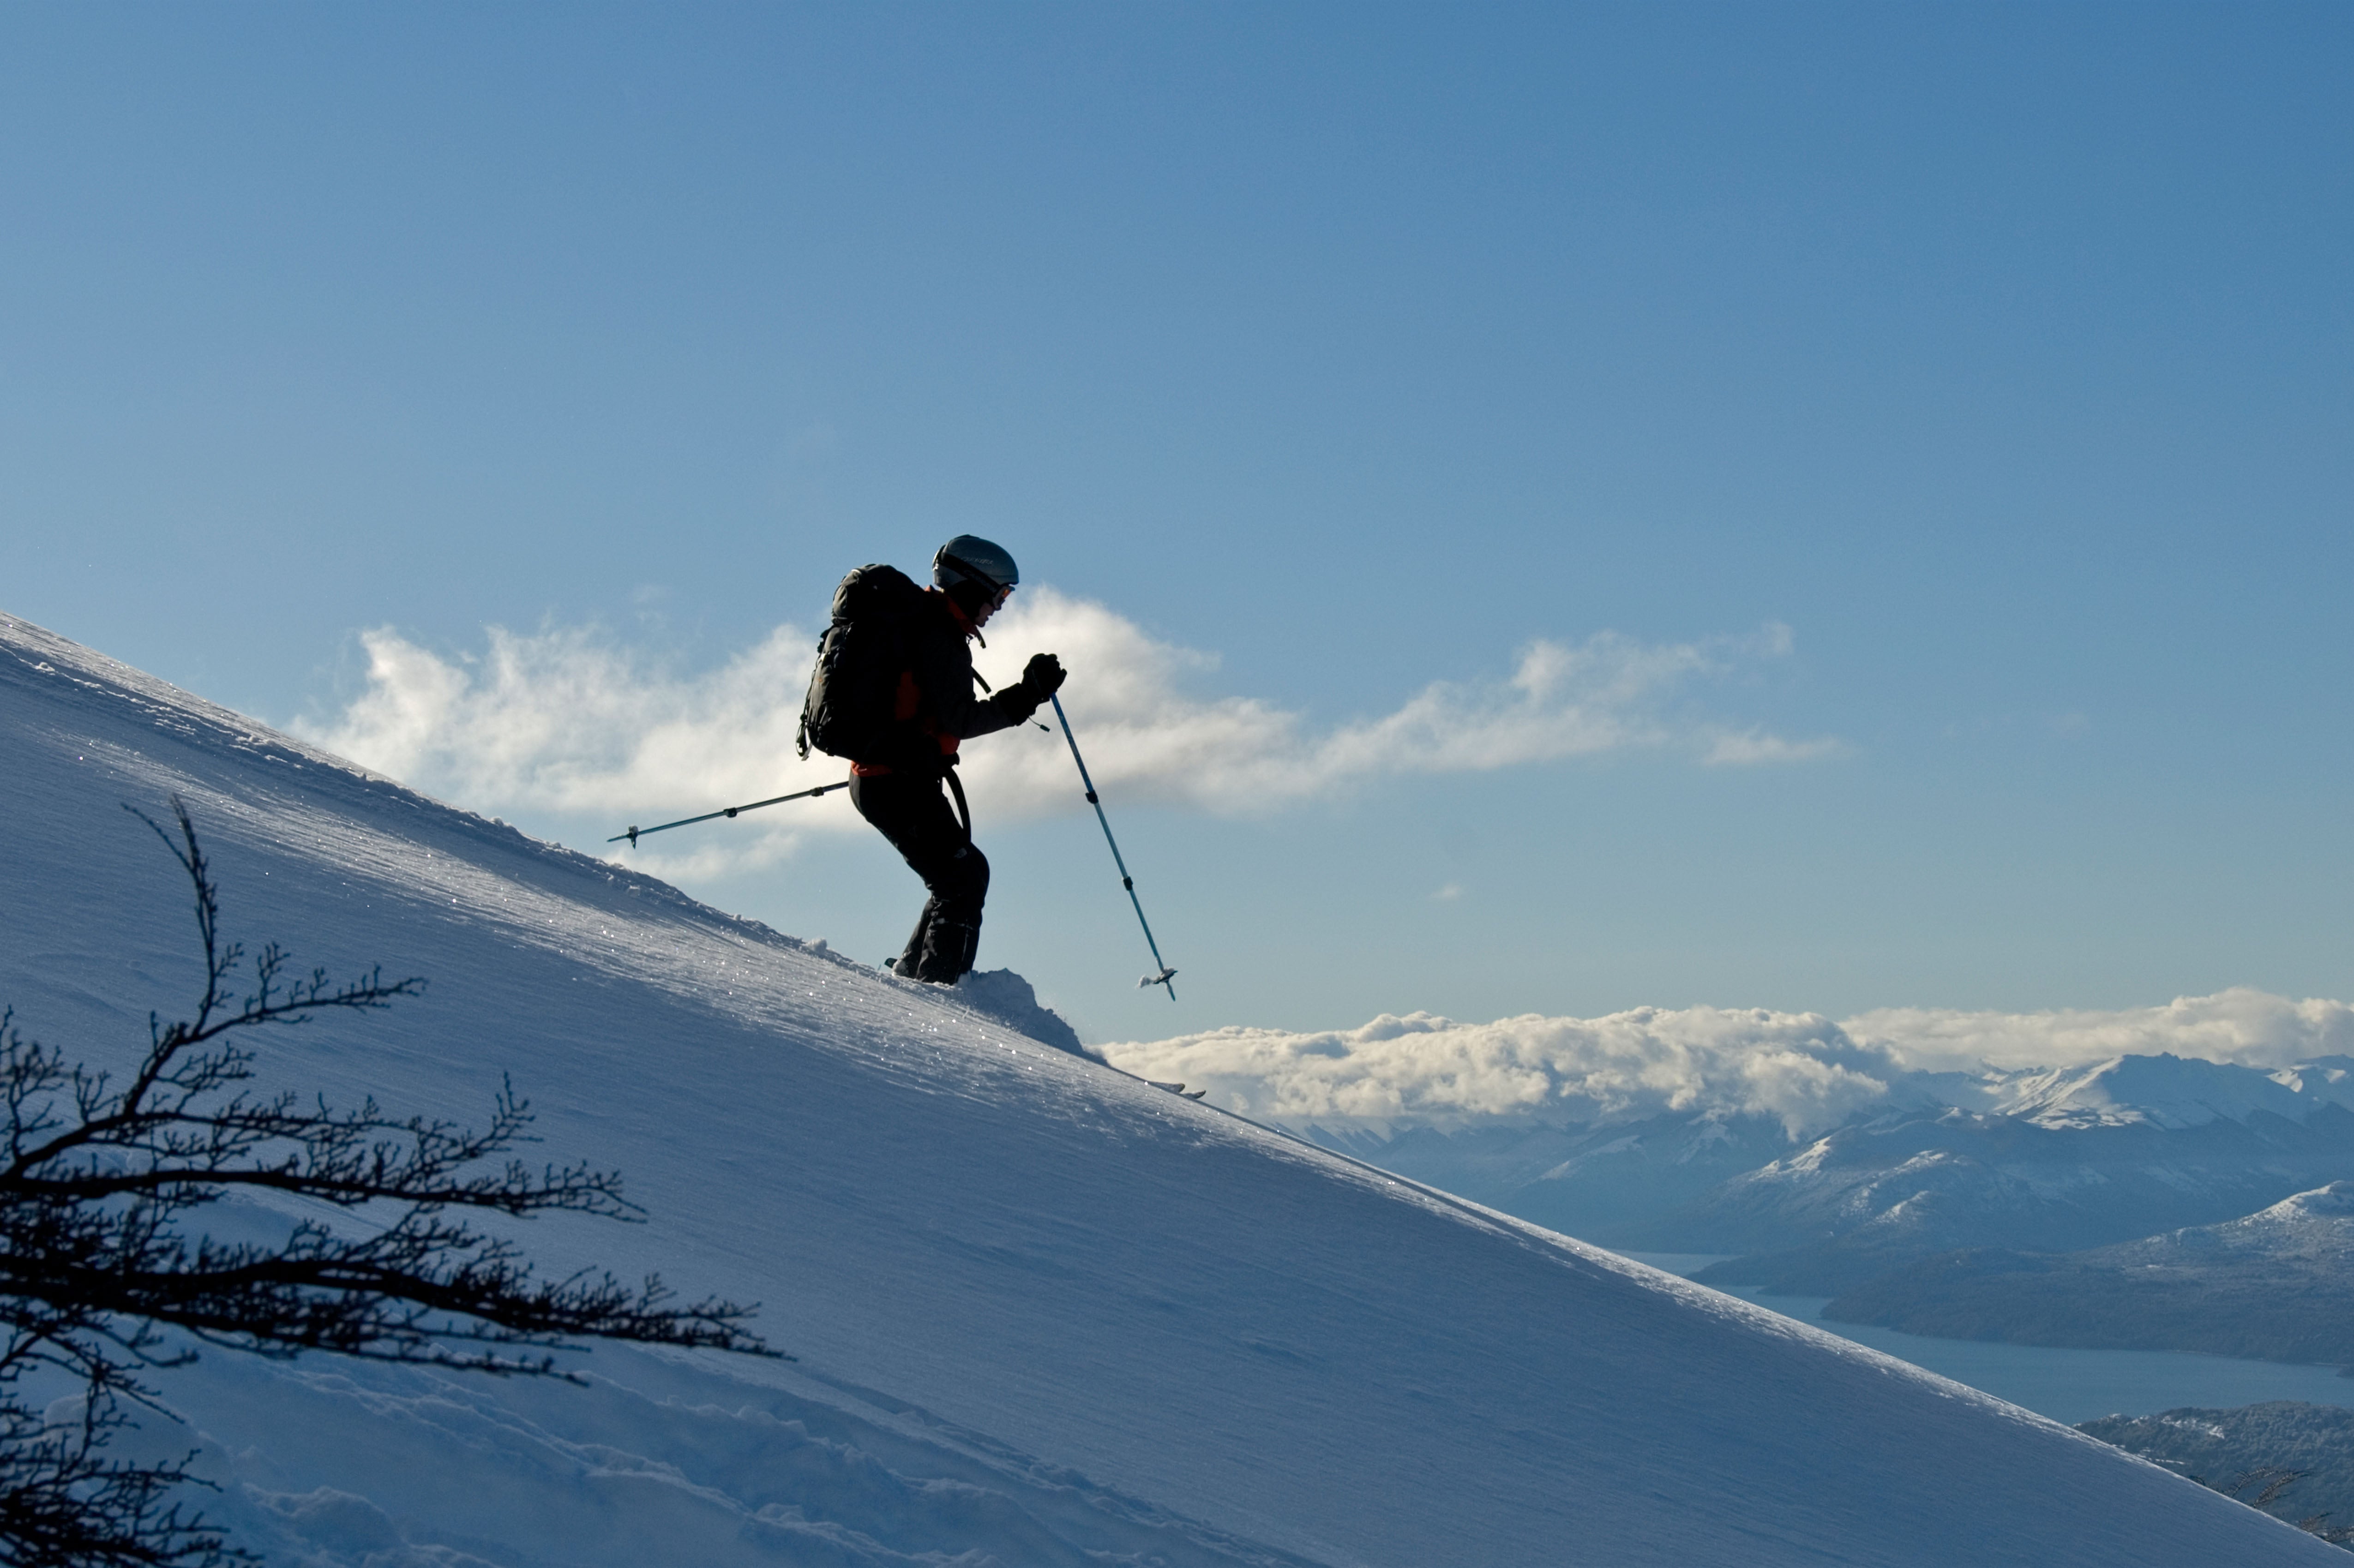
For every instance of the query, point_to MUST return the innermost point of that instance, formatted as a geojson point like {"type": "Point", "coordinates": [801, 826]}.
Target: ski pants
{"type": "Point", "coordinates": [912, 811]}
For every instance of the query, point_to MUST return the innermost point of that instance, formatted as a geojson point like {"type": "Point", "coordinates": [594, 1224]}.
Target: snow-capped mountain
{"type": "Point", "coordinates": [1046, 1313]}
{"type": "Point", "coordinates": [2058, 1179]}
{"type": "Point", "coordinates": [2044, 1158]}
{"type": "Point", "coordinates": [2168, 1091]}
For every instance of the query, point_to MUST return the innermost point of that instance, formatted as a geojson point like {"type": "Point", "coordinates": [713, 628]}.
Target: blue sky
{"type": "Point", "coordinates": [2001, 354]}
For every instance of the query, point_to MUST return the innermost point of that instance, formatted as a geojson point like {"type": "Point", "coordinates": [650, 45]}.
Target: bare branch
{"type": "Point", "coordinates": [98, 1258]}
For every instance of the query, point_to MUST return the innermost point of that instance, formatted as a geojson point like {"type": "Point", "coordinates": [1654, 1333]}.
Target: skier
{"type": "Point", "coordinates": [900, 760]}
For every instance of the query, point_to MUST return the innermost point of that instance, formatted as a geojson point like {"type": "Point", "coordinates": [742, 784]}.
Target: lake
{"type": "Point", "coordinates": [2066, 1385]}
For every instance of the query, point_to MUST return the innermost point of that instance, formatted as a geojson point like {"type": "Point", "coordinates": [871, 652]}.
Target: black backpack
{"type": "Point", "coordinates": [853, 689]}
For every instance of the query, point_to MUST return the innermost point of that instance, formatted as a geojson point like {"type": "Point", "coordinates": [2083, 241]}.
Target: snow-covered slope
{"type": "Point", "coordinates": [1621, 1183]}
{"type": "Point", "coordinates": [1046, 1313]}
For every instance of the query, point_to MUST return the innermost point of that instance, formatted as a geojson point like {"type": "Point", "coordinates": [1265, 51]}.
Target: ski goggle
{"type": "Point", "coordinates": [998, 591]}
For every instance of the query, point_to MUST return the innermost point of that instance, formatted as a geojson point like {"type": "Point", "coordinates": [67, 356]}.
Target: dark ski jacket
{"type": "Point", "coordinates": [936, 708]}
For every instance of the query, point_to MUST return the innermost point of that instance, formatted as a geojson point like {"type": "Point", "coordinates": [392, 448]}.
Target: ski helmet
{"type": "Point", "coordinates": [969, 559]}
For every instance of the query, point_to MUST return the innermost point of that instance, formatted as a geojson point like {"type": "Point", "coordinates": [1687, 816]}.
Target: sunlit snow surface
{"type": "Point", "coordinates": [1043, 1313]}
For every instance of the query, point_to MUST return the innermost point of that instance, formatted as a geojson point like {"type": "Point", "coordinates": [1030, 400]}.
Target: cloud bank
{"type": "Point", "coordinates": [568, 721]}
{"type": "Point", "coordinates": [1802, 1069]}
{"type": "Point", "coordinates": [2252, 1027]}
{"type": "Point", "coordinates": [1423, 1070]}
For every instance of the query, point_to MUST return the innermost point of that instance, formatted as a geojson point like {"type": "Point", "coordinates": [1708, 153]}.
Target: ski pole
{"type": "Point", "coordinates": [1166, 974]}
{"type": "Point", "coordinates": [732, 810]}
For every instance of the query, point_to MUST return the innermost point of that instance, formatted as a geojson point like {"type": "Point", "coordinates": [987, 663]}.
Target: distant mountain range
{"type": "Point", "coordinates": [2277, 1285]}
{"type": "Point", "coordinates": [2033, 1161]}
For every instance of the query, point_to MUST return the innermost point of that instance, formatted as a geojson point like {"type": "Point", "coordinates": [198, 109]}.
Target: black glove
{"type": "Point", "coordinates": [1043, 675]}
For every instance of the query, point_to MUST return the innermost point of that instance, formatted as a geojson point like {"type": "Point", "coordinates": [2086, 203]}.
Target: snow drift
{"type": "Point", "coordinates": [1045, 1312]}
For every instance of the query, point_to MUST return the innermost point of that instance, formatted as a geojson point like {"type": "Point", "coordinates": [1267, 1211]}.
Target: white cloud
{"type": "Point", "coordinates": [1425, 1070]}
{"type": "Point", "coordinates": [2250, 1027]}
{"type": "Point", "coordinates": [1803, 1069]}
{"type": "Point", "coordinates": [568, 721]}
{"type": "Point", "coordinates": [1149, 739]}
{"type": "Point", "coordinates": [1752, 748]}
